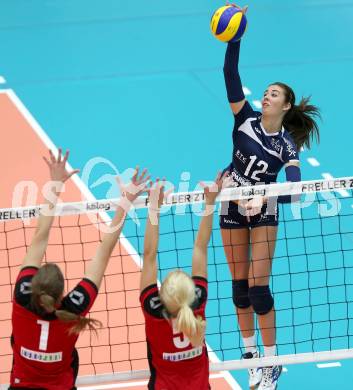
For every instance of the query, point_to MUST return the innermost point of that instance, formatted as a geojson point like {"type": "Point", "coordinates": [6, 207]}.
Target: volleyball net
{"type": "Point", "coordinates": [312, 276]}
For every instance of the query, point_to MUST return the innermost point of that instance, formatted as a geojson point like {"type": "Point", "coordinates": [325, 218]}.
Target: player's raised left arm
{"type": "Point", "coordinates": [199, 256]}
{"type": "Point", "coordinates": [149, 268]}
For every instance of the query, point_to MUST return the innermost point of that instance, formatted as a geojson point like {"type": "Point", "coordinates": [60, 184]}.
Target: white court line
{"type": "Point", "coordinates": [257, 103]}
{"type": "Point", "coordinates": [329, 365]}
{"type": "Point", "coordinates": [312, 161]}
{"type": "Point", "coordinates": [76, 179]}
{"type": "Point", "coordinates": [328, 176]}
{"type": "Point", "coordinates": [246, 91]}
{"type": "Point", "coordinates": [88, 194]}
{"type": "Point", "coordinates": [2, 80]}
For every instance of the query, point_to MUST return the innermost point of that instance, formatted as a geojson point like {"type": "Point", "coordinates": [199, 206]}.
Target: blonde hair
{"type": "Point", "coordinates": [177, 293]}
{"type": "Point", "coordinates": [47, 291]}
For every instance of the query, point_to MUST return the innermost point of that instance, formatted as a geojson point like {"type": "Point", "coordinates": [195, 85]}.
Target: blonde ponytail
{"type": "Point", "coordinates": [193, 327]}
{"type": "Point", "coordinates": [177, 294]}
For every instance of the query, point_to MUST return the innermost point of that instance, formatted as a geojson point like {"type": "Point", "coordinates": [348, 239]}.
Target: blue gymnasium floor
{"type": "Point", "coordinates": [142, 83]}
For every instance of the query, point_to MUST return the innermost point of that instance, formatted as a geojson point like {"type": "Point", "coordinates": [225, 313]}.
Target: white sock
{"type": "Point", "coordinates": [270, 351]}
{"type": "Point", "coordinates": [249, 344]}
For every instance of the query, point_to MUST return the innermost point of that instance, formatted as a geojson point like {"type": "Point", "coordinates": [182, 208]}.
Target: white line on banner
{"type": "Point", "coordinates": [328, 176]}
{"type": "Point", "coordinates": [270, 190]}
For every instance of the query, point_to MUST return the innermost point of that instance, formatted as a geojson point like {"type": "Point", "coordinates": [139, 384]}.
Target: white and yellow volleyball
{"type": "Point", "coordinates": [228, 24]}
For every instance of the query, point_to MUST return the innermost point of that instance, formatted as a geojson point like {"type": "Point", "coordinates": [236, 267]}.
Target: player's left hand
{"type": "Point", "coordinates": [156, 194]}
{"type": "Point", "coordinates": [211, 191]}
{"type": "Point", "coordinates": [57, 166]}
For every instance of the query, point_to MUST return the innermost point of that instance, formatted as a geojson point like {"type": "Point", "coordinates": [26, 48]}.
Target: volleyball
{"type": "Point", "coordinates": [228, 23]}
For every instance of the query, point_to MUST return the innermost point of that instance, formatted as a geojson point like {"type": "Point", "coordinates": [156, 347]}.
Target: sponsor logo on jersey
{"type": "Point", "coordinates": [155, 303]}
{"type": "Point", "coordinates": [239, 179]}
{"type": "Point", "coordinates": [198, 292]}
{"type": "Point", "coordinates": [41, 356]}
{"type": "Point", "coordinates": [290, 149]}
{"type": "Point", "coordinates": [26, 287]}
{"type": "Point", "coordinates": [255, 127]}
{"type": "Point", "coordinates": [185, 355]}
{"type": "Point", "coordinates": [240, 156]}
{"type": "Point", "coordinates": [77, 297]}
{"type": "Point", "coordinates": [276, 144]}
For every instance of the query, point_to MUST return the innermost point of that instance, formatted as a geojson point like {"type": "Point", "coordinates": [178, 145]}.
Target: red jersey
{"type": "Point", "coordinates": [43, 350]}
{"type": "Point", "coordinates": [174, 362]}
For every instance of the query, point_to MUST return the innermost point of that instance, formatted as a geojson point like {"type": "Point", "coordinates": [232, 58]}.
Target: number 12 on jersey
{"type": "Point", "coordinates": [259, 164]}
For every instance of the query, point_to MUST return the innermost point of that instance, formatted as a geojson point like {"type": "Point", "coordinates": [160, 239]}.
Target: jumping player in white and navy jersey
{"type": "Point", "coordinates": [263, 144]}
{"type": "Point", "coordinates": [45, 323]}
{"type": "Point", "coordinates": [175, 314]}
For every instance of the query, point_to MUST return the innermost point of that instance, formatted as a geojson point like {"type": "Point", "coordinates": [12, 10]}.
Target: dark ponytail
{"type": "Point", "coordinates": [79, 322]}
{"type": "Point", "coordinates": [300, 120]}
{"type": "Point", "coordinates": [47, 290]}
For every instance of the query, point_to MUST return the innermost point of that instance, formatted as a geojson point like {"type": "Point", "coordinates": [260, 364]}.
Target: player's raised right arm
{"type": "Point", "coordinates": [232, 79]}
{"type": "Point", "coordinates": [97, 266]}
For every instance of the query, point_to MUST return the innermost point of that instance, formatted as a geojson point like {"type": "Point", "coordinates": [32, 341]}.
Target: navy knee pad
{"type": "Point", "coordinates": [241, 293]}
{"type": "Point", "coordinates": [261, 299]}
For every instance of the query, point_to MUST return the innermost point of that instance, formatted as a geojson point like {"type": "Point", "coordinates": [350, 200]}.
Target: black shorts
{"type": "Point", "coordinates": [233, 217]}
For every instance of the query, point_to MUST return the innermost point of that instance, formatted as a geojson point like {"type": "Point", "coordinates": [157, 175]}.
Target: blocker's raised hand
{"type": "Point", "coordinates": [57, 166]}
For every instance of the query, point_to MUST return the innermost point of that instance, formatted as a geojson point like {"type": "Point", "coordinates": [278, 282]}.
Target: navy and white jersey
{"type": "Point", "coordinates": [257, 155]}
